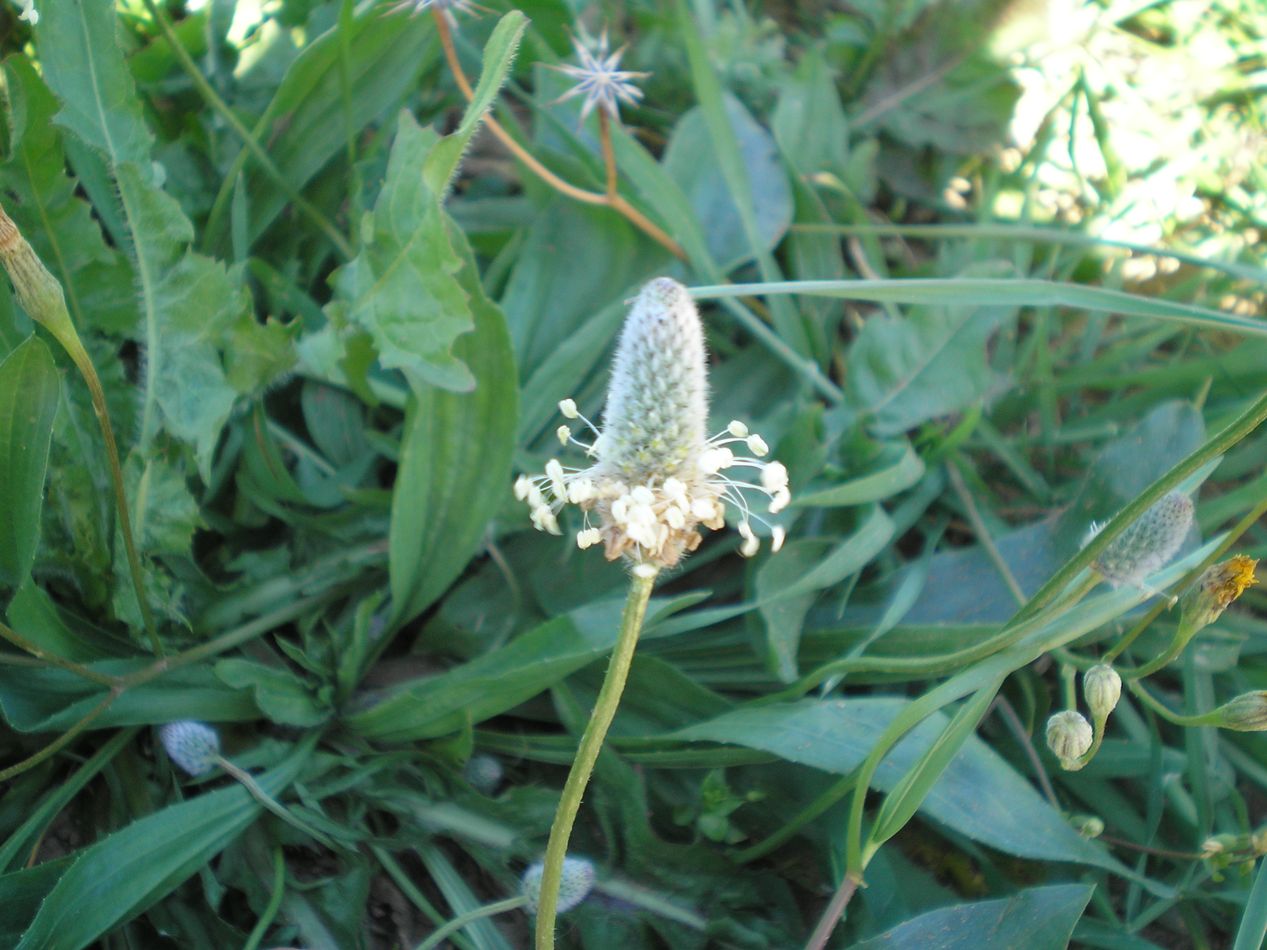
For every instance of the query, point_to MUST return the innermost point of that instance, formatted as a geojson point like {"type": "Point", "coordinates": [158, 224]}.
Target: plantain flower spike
{"type": "Point", "coordinates": [1069, 737]}
{"type": "Point", "coordinates": [574, 886]}
{"type": "Point", "coordinates": [1217, 587]}
{"type": "Point", "coordinates": [1147, 544]}
{"type": "Point", "coordinates": [194, 746]}
{"type": "Point", "coordinates": [657, 477]}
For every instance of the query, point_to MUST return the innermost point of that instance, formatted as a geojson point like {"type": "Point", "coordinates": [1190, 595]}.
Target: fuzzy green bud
{"type": "Point", "coordinates": [576, 882]}
{"type": "Point", "coordinates": [1102, 688]}
{"type": "Point", "coordinates": [194, 746]}
{"type": "Point", "coordinates": [1089, 826]}
{"type": "Point", "coordinates": [1148, 543]}
{"type": "Point", "coordinates": [1246, 713]}
{"type": "Point", "coordinates": [1069, 736]}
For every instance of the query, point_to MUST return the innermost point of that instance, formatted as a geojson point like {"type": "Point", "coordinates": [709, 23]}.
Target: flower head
{"type": "Point", "coordinates": [600, 80]}
{"type": "Point", "coordinates": [1102, 687]}
{"type": "Point", "coordinates": [1069, 737]}
{"type": "Point", "coordinates": [657, 476]}
{"type": "Point", "coordinates": [575, 883]}
{"type": "Point", "coordinates": [194, 746]}
{"type": "Point", "coordinates": [1217, 587]}
{"type": "Point", "coordinates": [1147, 544]}
{"type": "Point", "coordinates": [1246, 713]}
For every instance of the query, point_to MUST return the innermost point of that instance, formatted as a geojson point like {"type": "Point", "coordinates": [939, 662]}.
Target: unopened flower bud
{"type": "Point", "coordinates": [576, 882]}
{"type": "Point", "coordinates": [1217, 587]}
{"type": "Point", "coordinates": [1148, 543]}
{"type": "Point", "coordinates": [484, 773]}
{"type": "Point", "coordinates": [1102, 688]}
{"type": "Point", "coordinates": [1069, 737]}
{"type": "Point", "coordinates": [1246, 713]}
{"type": "Point", "coordinates": [1089, 826]}
{"type": "Point", "coordinates": [194, 746]}
{"type": "Point", "coordinates": [1218, 844]}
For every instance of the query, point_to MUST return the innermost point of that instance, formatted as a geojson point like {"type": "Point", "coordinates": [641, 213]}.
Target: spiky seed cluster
{"type": "Point", "coordinates": [1069, 737]}
{"type": "Point", "coordinates": [657, 476]}
{"type": "Point", "coordinates": [575, 883]}
{"type": "Point", "coordinates": [1102, 688]}
{"type": "Point", "coordinates": [1147, 544]}
{"type": "Point", "coordinates": [600, 79]}
{"type": "Point", "coordinates": [194, 746]}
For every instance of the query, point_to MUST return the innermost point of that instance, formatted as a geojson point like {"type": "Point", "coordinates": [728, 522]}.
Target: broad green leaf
{"type": "Point", "coordinates": [281, 695]}
{"type": "Point", "coordinates": [51, 700]}
{"type": "Point", "coordinates": [312, 114]}
{"type": "Point", "coordinates": [28, 402]}
{"type": "Point", "coordinates": [896, 471]}
{"type": "Point", "coordinates": [691, 159]}
{"type": "Point", "coordinates": [788, 585]}
{"type": "Point", "coordinates": [187, 302]}
{"type": "Point", "coordinates": [119, 877]}
{"type": "Point", "coordinates": [455, 460]}
{"type": "Point", "coordinates": [402, 288]}
{"type": "Point", "coordinates": [979, 795]}
{"type": "Point", "coordinates": [904, 371]}
{"type": "Point", "coordinates": [1038, 918]}
{"type": "Point", "coordinates": [33, 614]}
{"type": "Point", "coordinates": [493, 683]}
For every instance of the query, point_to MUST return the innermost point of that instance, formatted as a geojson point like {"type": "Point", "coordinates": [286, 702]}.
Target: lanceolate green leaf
{"type": "Point", "coordinates": [1038, 918]}
{"type": "Point", "coordinates": [120, 876]}
{"type": "Point", "coordinates": [987, 291]}
{"type": "Point", "coordinates": [978, 795]}
{"type": "Point", "coordinates": [455, 460]}
{"type": "Point", "coordinates": [28, 402]}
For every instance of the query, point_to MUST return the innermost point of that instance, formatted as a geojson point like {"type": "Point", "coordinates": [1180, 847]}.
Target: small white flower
{"type": "Point", "coordinates": [194, 746]}
{"type": "Point", "coordinates": [600, 80]}
{"type": "Point", "coordinates": [29, 13]}
{"type": "Point", "coordinates": [656, 476]}
{"type": "Point", "coordinates": [447, 7]}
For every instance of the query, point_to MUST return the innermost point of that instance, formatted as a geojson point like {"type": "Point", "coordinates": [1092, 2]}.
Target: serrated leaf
{"type": "Point", "coordinates": [28, 402]}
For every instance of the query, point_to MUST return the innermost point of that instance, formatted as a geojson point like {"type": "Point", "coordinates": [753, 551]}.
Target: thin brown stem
{"type": "Point", "coordinates": [612, 199]}
{"type": "Point", "coordinates": [70, 666]}
{"type": "Point", "coordinates": [835, 910]}
{"type": "Point", "coordinates": [64, 739]}
{"type": "Point", "coordinates": [609, 153]}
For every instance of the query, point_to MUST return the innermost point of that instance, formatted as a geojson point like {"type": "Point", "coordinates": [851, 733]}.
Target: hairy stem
{"type": "Point", "coordinates": [640, 584]}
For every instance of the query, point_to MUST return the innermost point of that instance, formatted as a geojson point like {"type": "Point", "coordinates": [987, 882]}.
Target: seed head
{"type": "Point", "coordinates": [600, 80]}
{"type": "Point", "coordinates": [1102, 688]}
{"type": "Point", "coordinates": [657, 476]}
{"type": "Point", "coordinates": [1148, 543]}
{"type": "Point", "coordinates": [1069, 737]}
{"type": "Point", "coordinates": [194, 746]}
{"type": "Point", "coordinates": [484, 773]}
{"type": "Point", "coordinates": [576, 882]}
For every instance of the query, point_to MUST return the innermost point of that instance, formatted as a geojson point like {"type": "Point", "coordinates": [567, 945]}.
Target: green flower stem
{"type": "Point", "coordinates": [209, 95]}
{"type": "Point", "coordinates": [41, 296]}
{"type": "Point", "coordinates": [274, 902]}
{"type": "Point", "coordinates": [457, 923]}
{"type": "Point", "coordinates": [271, 804]}
{"type": "Point", "coordinates": [640, 584]}
{"type": "Point", "coordinates": [1157, 706]}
